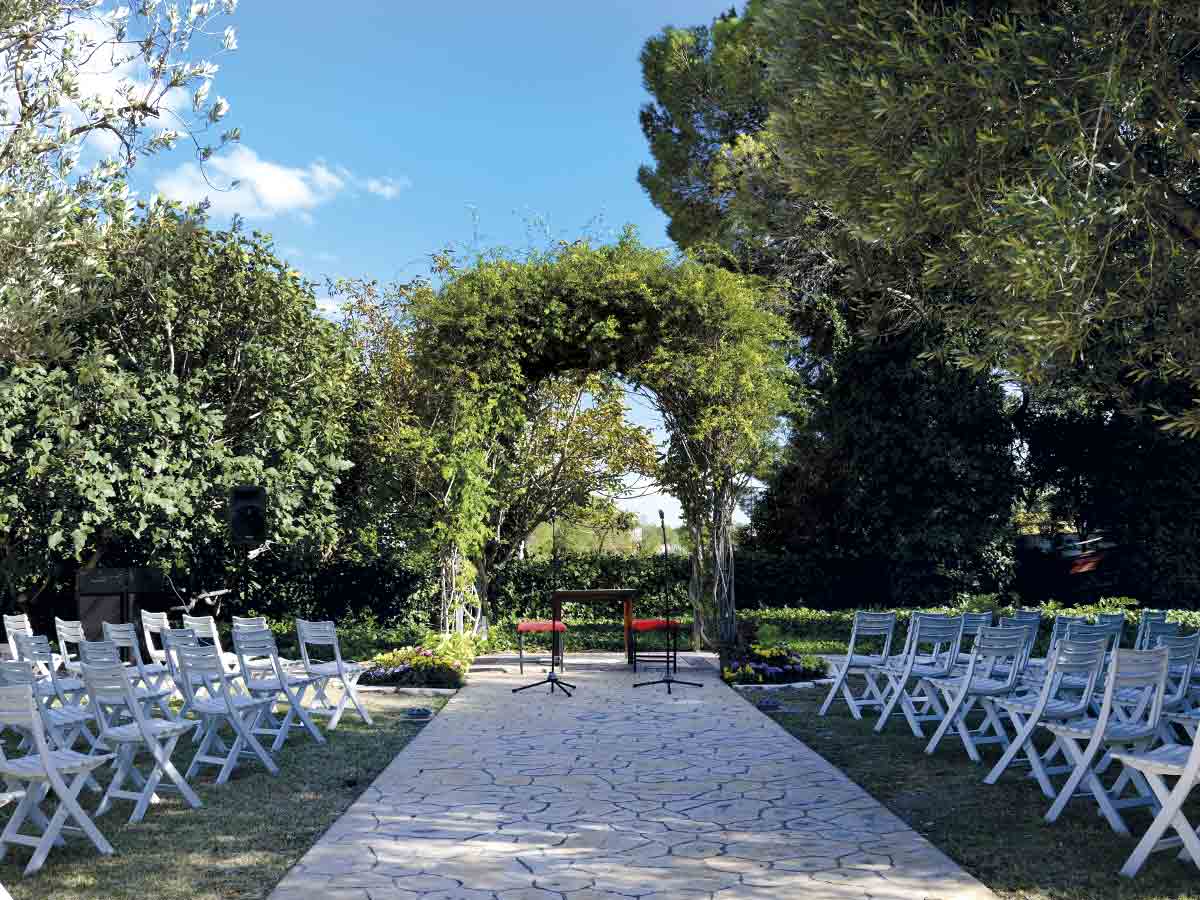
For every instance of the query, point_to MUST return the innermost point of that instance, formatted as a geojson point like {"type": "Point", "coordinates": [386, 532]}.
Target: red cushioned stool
{"type": "Point", "coordinates": [542, 626]}
{"type": "Point", "coordinates": [669, 656]}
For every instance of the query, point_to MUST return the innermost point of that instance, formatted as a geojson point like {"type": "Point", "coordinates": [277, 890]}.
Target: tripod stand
{"type": "Point", "coordinates": [557, 641]}
{"type": "Point", "coordinates": [669, 678]}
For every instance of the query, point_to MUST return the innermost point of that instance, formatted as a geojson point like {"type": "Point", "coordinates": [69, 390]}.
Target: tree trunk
{"type": "Point", "coordinates": [696, 583]}
{"type": "Point", "coordinates": [724, 595]}
{"type": "Point", "coordinates": [483, 583]}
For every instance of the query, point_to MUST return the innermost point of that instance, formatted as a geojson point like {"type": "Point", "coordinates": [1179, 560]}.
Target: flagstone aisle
{"type": "Point", "coordinates": [616, 793]}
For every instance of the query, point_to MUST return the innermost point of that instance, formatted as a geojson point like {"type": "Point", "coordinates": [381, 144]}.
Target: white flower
{"type": "Point", "coordinates": [230, 6]}
{"type": "Point", "coordinates": [230, 40]}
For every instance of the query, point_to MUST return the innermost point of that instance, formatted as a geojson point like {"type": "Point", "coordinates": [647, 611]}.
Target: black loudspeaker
{"type": "Point", "coordinates": [116, 595]}
{"type": "Point", "coordinates": [248, 514]}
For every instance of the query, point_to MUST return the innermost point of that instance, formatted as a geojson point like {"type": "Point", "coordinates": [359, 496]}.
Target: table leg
{"type": "Point", "coordinates": [628, 631]}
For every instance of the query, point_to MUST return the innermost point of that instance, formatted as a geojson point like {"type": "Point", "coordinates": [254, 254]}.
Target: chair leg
{"type": "Point", "coordinates": [839, 681]}
{"type": "Point", "coordinates": [1170, 816]}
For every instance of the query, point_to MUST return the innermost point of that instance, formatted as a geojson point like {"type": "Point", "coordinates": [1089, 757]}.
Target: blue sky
{"type": "Point", "coordinates": [375, 133]}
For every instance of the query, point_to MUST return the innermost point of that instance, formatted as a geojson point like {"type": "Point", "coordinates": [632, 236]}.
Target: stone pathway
{"type": "Point", "coordinates": [616, 793]}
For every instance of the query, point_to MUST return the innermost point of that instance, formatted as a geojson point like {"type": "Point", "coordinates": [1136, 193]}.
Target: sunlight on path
{"type": "Point", "coordinates": [616, 793]}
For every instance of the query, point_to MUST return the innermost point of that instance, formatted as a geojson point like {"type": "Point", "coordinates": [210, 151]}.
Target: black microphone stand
{"type": "Point", "coordinates": [668, 678]}
{"type": "Point", "coordinates": [557, 638]}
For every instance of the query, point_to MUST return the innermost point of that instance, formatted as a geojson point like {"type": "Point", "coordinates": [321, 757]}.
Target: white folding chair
{"type": "Point", "coordinates": [1113, 620]}
{"type": "Point", "coordinates": [37, 775]}
{"type": "Point", "coordinates": [939, 636]}
{"type": "Point", "coordinates": [1058, 632]}
{"type": "Point", "coordinates": [49, 685]}
{"type": "Point", "coordinates": [14, 625]}
{"type": "Point", "coordinates": [972, 622]}
{"type": "Point", "coordinates": [153, 625]}
{"type": "Point", "coordinates": [215, 696]}
{"type": "Point", "coordinates": [264, 676]}
{"type": "Point", "coordinates": [1140, 671]}
{"type": "Point", "coordinates": [154, 675]}
{"type": "Point", "coordinates": [69, 633]}
{"type": "Point", "coordinates": [1141, 640]}
{"type": "Point", "coordinates": [1179, 761]}
{"type": "Point", "coordinates": [1055, 701]}
{"type": "Point", "coordinates": [324, 634]}
{"type": "Point", "coordinates": [993, 672]}
{"type": "Point", "coordinates": [206, 631]}
{"type": "Point", "coordinates": [872, 626]}
{"type": "Point", "coordinates": [106, 653]}
{"type": "Point", "coordinates": [123, 723]}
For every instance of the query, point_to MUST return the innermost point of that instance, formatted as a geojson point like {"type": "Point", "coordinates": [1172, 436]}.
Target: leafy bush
{"type": "Point", "coordinates": [440, 662]}
{"type": "Point", "coordinates": [768, 664]}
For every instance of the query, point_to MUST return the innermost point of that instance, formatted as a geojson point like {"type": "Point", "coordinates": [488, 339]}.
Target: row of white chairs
{"type": "Point", "coordinates": [97, 703]}
{"type": "Point", "coordinates": [1101, 706]}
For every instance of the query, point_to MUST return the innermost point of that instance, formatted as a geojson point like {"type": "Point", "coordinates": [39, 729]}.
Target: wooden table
{"type": "Point", "coordinates": [624, 596]}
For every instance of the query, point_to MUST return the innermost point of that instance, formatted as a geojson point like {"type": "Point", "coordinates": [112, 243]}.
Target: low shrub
{"type": "Point", "coordinates": [441, 661]}
{"type": "Point", "coordinates": [775, 664]}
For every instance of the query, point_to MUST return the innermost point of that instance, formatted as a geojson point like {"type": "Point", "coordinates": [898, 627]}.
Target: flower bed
{"type": "Point", "coordinates": [442, 662]}
{"type": "Point", "coordinates": [775, 665]}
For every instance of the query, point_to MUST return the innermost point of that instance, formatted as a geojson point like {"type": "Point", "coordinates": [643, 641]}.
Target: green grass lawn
{"type": "Point", "coordinates": [994, 832]}
{"type": "Point", "coordinates": [249, 832]}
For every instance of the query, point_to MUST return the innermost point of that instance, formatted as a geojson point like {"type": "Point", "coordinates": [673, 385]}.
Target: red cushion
{"type": "Point", "coordinates": [655, 625]}
{"type": "Point", "coordinates": [526, 627]}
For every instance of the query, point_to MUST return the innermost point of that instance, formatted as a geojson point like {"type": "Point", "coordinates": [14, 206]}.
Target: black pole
{"type": "Point", "coordinates": [668, 678]}
{"type": "Point", "coordinates": [557, 640]}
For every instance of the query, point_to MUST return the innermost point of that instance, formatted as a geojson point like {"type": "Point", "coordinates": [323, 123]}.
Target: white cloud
{"type": "Point", "coordinates": [387, 188]}
{"type": "Point", "coordinates": [266, 189]}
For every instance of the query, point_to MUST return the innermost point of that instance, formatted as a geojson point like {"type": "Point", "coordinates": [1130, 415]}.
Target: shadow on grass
{"type": "Point", "coordinates": [994, 832]}
{"type": "Point", "coordinates": [249, 832]}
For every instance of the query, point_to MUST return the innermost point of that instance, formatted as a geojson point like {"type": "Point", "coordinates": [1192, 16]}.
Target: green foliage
{"type": "Point", "coordinates": [1035, 163]}
{"type": "Point", "coordinates": [416, 667]}
{"type": "Point", "coordinates": [1126, 479]}
{"type": "Point", "coordinates": [207, 367]}
{"type": "Point", "coordinates": [899, 484]}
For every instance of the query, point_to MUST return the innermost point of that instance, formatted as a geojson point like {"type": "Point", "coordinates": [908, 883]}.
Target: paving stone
{"type": "Point", "coordinates": [616, 794]}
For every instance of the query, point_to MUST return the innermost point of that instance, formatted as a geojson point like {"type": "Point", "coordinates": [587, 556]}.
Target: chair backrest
{"type": "Point", "coordinates": [1131, 671]}
{"type": "Point", "coordinates": [154, 623]}
{"type": "Point", "coordinates": [1141, 639]}
{"type": "Point", "coordinates": [201, 665]}
{"type": "Point", "coordinates": [249, 621]}
{"type": "Point", "coordinates": [109, 689]}
{"type": "Point", "coordinates": [1061, 624]}
{"type": "Point", "coordinates": [1156, 630]}
{"type": "Point", "coordinates": [1084, 632]}
{"type": "Point", "coordinates": [18, 624]}
{"type": "Point", "coordinates": [17, 672]}
{"type": "Point", "coordinates": [872, 625]}
{"type": "Point", "coordinates": [100, 653]}
{"type": "Point", "coordinates": [999, 653]}
{"type": "Point", "coordinates": [125, 636]}
{"type": "Point", "coordinates": [18, 709]}
{"type": "Point", "coordinates": [972, 622]}
{"type": "Point", "coordinates": [68, 633]}
{"type": "Point", "coordinates": [942, 635]}
{"type": "Point", "coordinates": [35, 649]}
{"type": "Point", "coordinates": [173, 639]}
{"type": "Point", "coordinates": [1079, 660]}
{"type": "Point", "coordinates": [1027, 617]}
{"type": "Point", "coordinates": [1182, 654]}
{"type": "Point", "coordinates": [205, 628]}
{"type": "Point", "coordinates": [317, 634]}
{"type": "Point", "coordinates": [256, 643]}
{"type": "Point", "coordinates": [1113, 620]}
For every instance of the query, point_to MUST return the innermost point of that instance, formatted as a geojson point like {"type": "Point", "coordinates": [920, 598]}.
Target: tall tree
{"type": "Point", "coordinates": [204, 366]}
{"type": "Point", "coordinates": [898, 485]}
{"type": "Point", "coordinates": [1038, 161]}
{"type": "Point", "coordinates": [82, 81]}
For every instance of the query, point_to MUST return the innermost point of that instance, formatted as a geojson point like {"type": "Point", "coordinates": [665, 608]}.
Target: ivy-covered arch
{"type": "Point", "coordinates": [707, 346]}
